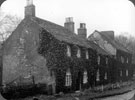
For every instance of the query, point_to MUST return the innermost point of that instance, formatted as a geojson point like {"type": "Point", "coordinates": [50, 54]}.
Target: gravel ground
{"type": "Point", "coordinates": [87, 95]}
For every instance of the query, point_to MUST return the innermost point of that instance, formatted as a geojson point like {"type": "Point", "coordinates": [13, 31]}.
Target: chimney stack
{"type": "Point", "coordinates": [82, 31]}
{"type": "Point", "coordinates": [69, 24]}
{"type": "Point", "coordinates": [109, 34]}
{"type": "Point", "coordinates": [30, 8]}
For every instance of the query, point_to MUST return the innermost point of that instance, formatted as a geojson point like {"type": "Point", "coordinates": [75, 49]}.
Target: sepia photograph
{"type": "Point", "coordinates": [67, 50]}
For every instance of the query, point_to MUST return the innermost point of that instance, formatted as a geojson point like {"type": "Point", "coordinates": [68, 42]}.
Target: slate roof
{"type": "Point", "coordinates": [61, 33]}
{"type": "Point", "coordinates": [114, 43]}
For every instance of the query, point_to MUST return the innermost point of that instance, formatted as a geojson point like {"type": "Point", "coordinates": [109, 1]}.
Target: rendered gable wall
{"type": "Point", "coordinates": [104, 44]}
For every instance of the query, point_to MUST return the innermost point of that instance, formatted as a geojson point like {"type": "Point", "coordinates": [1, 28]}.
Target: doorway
{"type": "Point", "coordinates": [79, 81]}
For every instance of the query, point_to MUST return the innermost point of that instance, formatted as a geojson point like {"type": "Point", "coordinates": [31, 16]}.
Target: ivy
{"type": "Point", "coordinates": [55, 52]}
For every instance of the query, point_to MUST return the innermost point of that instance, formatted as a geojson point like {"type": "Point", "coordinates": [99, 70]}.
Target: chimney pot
{"type": "Point", "coordinates": [82, 25]}
{"type": "Point", "coordinates": [69, 19]}
{"type": "Point", "coordinates": [29, 2]}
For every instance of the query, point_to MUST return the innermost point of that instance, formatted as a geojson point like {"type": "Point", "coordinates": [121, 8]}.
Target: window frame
{"type": "Point", "coordinates": [68, 78]}
{"type": "Point", "coordinates": [98, 59]}
{"type": "Point", "coordinates": [127, 72]}
{"type": "Point", "coordinates": [85, 77]}
{"type": "Point", "coordinates": [87, 54]}
{"type": "Point", "coordinates": [106, 60]}
{"type": "Point", "coordinates": [122, 59]}
{"type": "Point", "coordinates": [78, 52]}
{"type": "Point", "coordinates": [127, 61]}
{"type": "Point", "coordinates": [68, 51]}
{"type": "Point", "coordinates": [121, 73]}
{"type": "Point", "coordinates": [106, 76]}
{"type": "Point", "coordinates": [98, 76]}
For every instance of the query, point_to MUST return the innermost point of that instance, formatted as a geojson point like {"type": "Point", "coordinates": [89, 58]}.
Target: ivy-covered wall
{"type": "Point", "coordinates": [55, 52]}
{"type": "Point", "coordinates": [125, 55]}
{"type": "Point", "coordinates": [103, 70]}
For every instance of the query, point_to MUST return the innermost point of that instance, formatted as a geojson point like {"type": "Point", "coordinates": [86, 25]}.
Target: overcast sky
{"type": "Point", "coordinates": [117, 15]}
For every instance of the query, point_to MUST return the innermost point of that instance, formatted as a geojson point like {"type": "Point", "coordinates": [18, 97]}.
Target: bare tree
{"type": "Point", "coordinates": [128, 42]}
{"type": "Point", "coordinates": [7, 24]}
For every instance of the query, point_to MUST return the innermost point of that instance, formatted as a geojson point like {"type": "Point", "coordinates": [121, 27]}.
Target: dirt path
{"type": "Point", "coordinates": [126, 96]}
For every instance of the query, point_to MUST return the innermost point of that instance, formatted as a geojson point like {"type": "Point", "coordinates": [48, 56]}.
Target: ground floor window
{"type": "Point", "coordinates": [126, 72]}
{"type": "Point", "coordinates": [98, 76]}
{"type": "Point", "coordinates": [121, 73]}
{"type": "Point", "coordinates": [85, 77]}
{"type": "Point", "coordinates": [105, 76]}
{"type": "Point", "coordinates": [68, 78]}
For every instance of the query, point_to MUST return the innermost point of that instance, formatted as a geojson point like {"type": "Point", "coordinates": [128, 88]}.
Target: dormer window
{"type": "Point", "coordinates": [87, 54]}
{"type": "Point", "coordinates": [78, 53]}
{"type": "Point", "coordinates": [68, 51]}
{"type": "Point", "coordinates": [85, 77]}
{"type": "Point", "coordinates": [122, 59]}
{"type": "Point", "coordinates": [68, 78]}
{"type": "Point", "coordinates": [98, 60]}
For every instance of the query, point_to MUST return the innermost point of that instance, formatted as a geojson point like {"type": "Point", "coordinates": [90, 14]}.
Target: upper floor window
{"type": "Point", "coordinates": [85, 77]}
{"type": "Point", "coordinates": [98, 60]}
{"type": "Point", "coordinates": [68, 51]}
{"type": "Point", "coordinates": [106, 60]}
{"type": "Point", "coordinates": [127, 60]}
{"type": "Point", "coordinates": [122, 59]}
{"type": "Point", "coordinates": [78, 53]}
{"type": "Point", "coordinates": [98, 76]}
{"type": "Point", "coordinates": [87, 54]}
{"type": "Point", "coordinates": [126, 72]}
{"type": "Point", "coordinates": [68, 78]}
